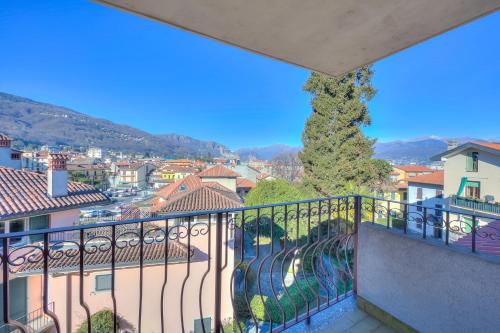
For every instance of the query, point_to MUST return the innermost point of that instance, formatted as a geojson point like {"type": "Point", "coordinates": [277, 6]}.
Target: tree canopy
{"type": "Point", "coordinates": [336, 152]}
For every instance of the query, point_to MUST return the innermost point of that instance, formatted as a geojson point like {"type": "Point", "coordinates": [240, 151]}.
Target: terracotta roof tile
{"type": "Point", "coordinates": [124, 256]}
{"type": "Point", "coordinates": [25, 192]}
{"type": "Point", "coordinates": [413, 168]}
{"type": "Point", "coordinates": [190, 182]}
{"type": "Point", "coordinates": [243, 182]}
{"type": "Point", "coordinates": [208, 196]}
{"type": "Point", "coordinates": [491, 145]}
{"type": "Point", "coordinates": [434, 178]}
{"type": "Point", "coordinates": [219, 171]}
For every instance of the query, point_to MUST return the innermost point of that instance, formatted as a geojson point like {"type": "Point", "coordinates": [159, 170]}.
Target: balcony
{"type": "Point", "coordinates": [349, 263]}
{"type": "Point", "coordinates": [475, 204]}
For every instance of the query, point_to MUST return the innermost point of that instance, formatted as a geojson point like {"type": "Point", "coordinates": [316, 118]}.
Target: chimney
{"type": "Point", "coordinates": [57, 176]}
{"type": "Point", "coordinates": [452, 144]}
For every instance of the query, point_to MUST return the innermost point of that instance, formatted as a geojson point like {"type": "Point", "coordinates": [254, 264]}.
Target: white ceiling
{"type": "Point", "coordinates": [329, 36]}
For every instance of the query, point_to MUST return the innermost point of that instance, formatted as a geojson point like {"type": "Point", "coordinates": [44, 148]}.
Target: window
{"type": "Point", "coordinates": [18, 225]}
{"type": "Point", "coordinates": [439, 212]}
{"type": "Point", "coordinates": [206, 322]}
{"type": "Point", "coordinates": [393, 195]}
{"type": "Point", "coordinates": [37, 223]}
{"type": "Point", "coordinates": [103, 282]}
{"type": "Point", "coordinates": [418, 222]}
{"type": "Point", "coordinates": [419, 193]}
{"type": "Point", "coordinates": [472, 162]}
{"type": "Point", "coordinates": [15, 156]}
{"type": "Point", "coordinates": [439, 194]}
{"type": "Point", "coordinates": [419, 206]}
{"type": "Point", "coordinates": [472, 189]}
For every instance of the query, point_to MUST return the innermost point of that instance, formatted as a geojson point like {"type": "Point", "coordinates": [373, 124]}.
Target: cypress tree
{"type": "Point", "coordinates": [337, 155]}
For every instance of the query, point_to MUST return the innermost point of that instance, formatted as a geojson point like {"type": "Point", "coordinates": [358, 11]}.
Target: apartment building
{"type": "Point", "coordinates": [472, 177]}
{"type": "Point", "coordinates": [426, 190]}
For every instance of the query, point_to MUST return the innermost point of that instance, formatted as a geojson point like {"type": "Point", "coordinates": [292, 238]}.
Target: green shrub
{"type": "Point", "coordinates": [260, 305]}
{"type": "Point", "coordinates": [250, 276]}
{"type": "Point", "coordinates": [102, 322]}
{"type": "Point", "coordinates": [241, 307]}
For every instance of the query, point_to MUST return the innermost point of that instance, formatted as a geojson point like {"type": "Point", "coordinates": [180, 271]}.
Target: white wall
{"type": "Point", "coordinates": [6, 160]}
{"type": "Point", "coordinates": [429, 199]}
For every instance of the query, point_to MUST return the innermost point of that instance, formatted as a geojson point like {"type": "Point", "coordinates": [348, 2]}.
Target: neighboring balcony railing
{"type": "Point", "coordinates": [475, 204]}
{"type": "Point", "coordinates": [256, 269]}
{"type": "Point", "coordinates": [36, 321]}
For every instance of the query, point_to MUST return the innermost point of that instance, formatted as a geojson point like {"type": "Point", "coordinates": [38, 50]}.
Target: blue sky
{"type": "Point", "coordinates": [133, 71]}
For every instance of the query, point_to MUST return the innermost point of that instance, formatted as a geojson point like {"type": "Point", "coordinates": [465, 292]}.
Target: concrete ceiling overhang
{"type": "Point", "coordinates": [329, 36]}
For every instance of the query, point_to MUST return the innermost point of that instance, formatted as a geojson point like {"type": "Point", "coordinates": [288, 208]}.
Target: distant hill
{"type": "Point", "coordinates": [418, 150]}
{"type": "Point", "coordinates": [266, 153]}
{"type": "Point", "coordinates": [415, 151]}
{"type": "Point", "coordinates": [36, 123]}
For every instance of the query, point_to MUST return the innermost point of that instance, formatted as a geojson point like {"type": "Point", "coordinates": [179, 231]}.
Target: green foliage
{"type": "Point", "coordinates": [271, 192]}
{"type": "Point", "coordinates": [250, 280]}
{"type": "Point", "coordinates": [296, 298]}
{"type": "Point", "coordinates": [231, 326]}
{"type": "Point", "coordinates": [102, 322]}
{"type": "Point", "coordinates": [336, 152]}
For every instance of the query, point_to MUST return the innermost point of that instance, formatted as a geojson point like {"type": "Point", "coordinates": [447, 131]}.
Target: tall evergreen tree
{"type": "Point", "coordinates": [337, 154]}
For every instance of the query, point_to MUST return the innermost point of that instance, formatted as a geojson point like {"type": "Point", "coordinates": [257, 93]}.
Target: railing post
{"type": "Point", "coordinates": [474, 222]}
{"type": "Point", "coordinates": [424, 229]}
{"type": "Point", "coordinates": [218, 269]}
{"type": "Point", "coordinates": [357, 222]}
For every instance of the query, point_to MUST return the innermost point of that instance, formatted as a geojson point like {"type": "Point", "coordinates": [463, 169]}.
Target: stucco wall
{"type": "Point", "coordinates": [488, 173]}
{"type": "Point", "coordinates": [64, 291]}
{"type": "Point", "coordinates": [230, 183]}
{"type": "Point", "coordinates": [428, 286]}
{"type": "Point", "coordinates": [65, 218]}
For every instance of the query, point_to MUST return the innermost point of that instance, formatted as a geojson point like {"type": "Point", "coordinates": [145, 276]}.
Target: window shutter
{"type": "Point", "coordinates": [468, 162]}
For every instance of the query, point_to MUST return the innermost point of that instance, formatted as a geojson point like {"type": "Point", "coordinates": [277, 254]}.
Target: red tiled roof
{"type": "Point", "coordinates": [190, 182]}
{"type": "Point", "coordinates": [219, 171]}
{"type": "Point", "coordinates": [124, 256]}
{"type": "Point", "coordinates": [413, 168]}
{"type": "Point", "coordinates": [4, 137]}
{"type": "Point", "coordinates": [25, 192]}
{"type": "Point", "coordinates": [491, 145]}
{"type": "Point", "coordinates": [243, 182]}
{"type": "Point", "coordinates": [434, 178]}
{"type": "Point", "coordinates": [208, 196]}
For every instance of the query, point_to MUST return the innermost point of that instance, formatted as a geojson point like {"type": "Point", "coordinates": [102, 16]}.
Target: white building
{"type": "Point", "coordinates": [95, 152]}
{"type": "Point", "coordinates": [9, 157]}
{"type": "Point", "coordinates": [426, 191]}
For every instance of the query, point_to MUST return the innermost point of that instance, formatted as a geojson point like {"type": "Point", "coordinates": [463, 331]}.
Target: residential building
{"type": "Point", "coordinates": [246, 171]}
{"type": "Point", "coordinates": [220, 174]}
{"type": "Point", "coordinates": [472, 177]}
{"type": "Point", "coordinates": [243, 186]}
{"type": "Point", "coordinates": [9, 157]}
{"type": "Point", "coordinates": [95, 152]}
{"type": "Point", "coordinates": [404, 172]}
{"type": "Point", "coordinates": [426, 190]}
{"type": "Point", "coordinates": [126, 174]}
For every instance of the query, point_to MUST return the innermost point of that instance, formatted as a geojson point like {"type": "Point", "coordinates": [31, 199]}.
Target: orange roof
{"type": "Point", "coordinates": [190, 182]}
{"type": "Point", "coordinates": [434, 178]}
{"type": "Point", "coordinates": [243, 182]}
{"type": "Point", "coordinates": [413, 168]}
{"type": "Point", "coordinates": [218, 171]}
{"type": "Point", "coordinates": [491, 145]}
{"type": "Point", "coordinates": [208, 196]}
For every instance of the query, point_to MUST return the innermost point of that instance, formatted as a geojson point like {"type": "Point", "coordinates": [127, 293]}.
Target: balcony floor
{"type": "Point", "coordinates": [344, 317]}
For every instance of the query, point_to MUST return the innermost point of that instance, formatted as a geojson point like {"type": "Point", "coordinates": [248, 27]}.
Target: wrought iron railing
{"type": "Point", "coordinates": [36, 321]}
{"type": "Point", "coordinates": [475, 204]}
{"type": "Point", "coordinates": [476, 232]}
{"type": "Point", "coordinates": [252, 269]}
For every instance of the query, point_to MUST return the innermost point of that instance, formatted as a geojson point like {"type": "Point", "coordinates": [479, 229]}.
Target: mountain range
{"type": "Point", "coordinates": [34, 123]}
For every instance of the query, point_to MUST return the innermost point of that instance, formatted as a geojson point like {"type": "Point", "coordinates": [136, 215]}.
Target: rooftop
{"type": "Point", "coordinates": [25, 192]}
{"type": "Point", "coordinates": [413, 168]}
{"type": "Point", "coordinates": [218, 171]}
{"type": "Point", "coordinates": [434, 178]}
